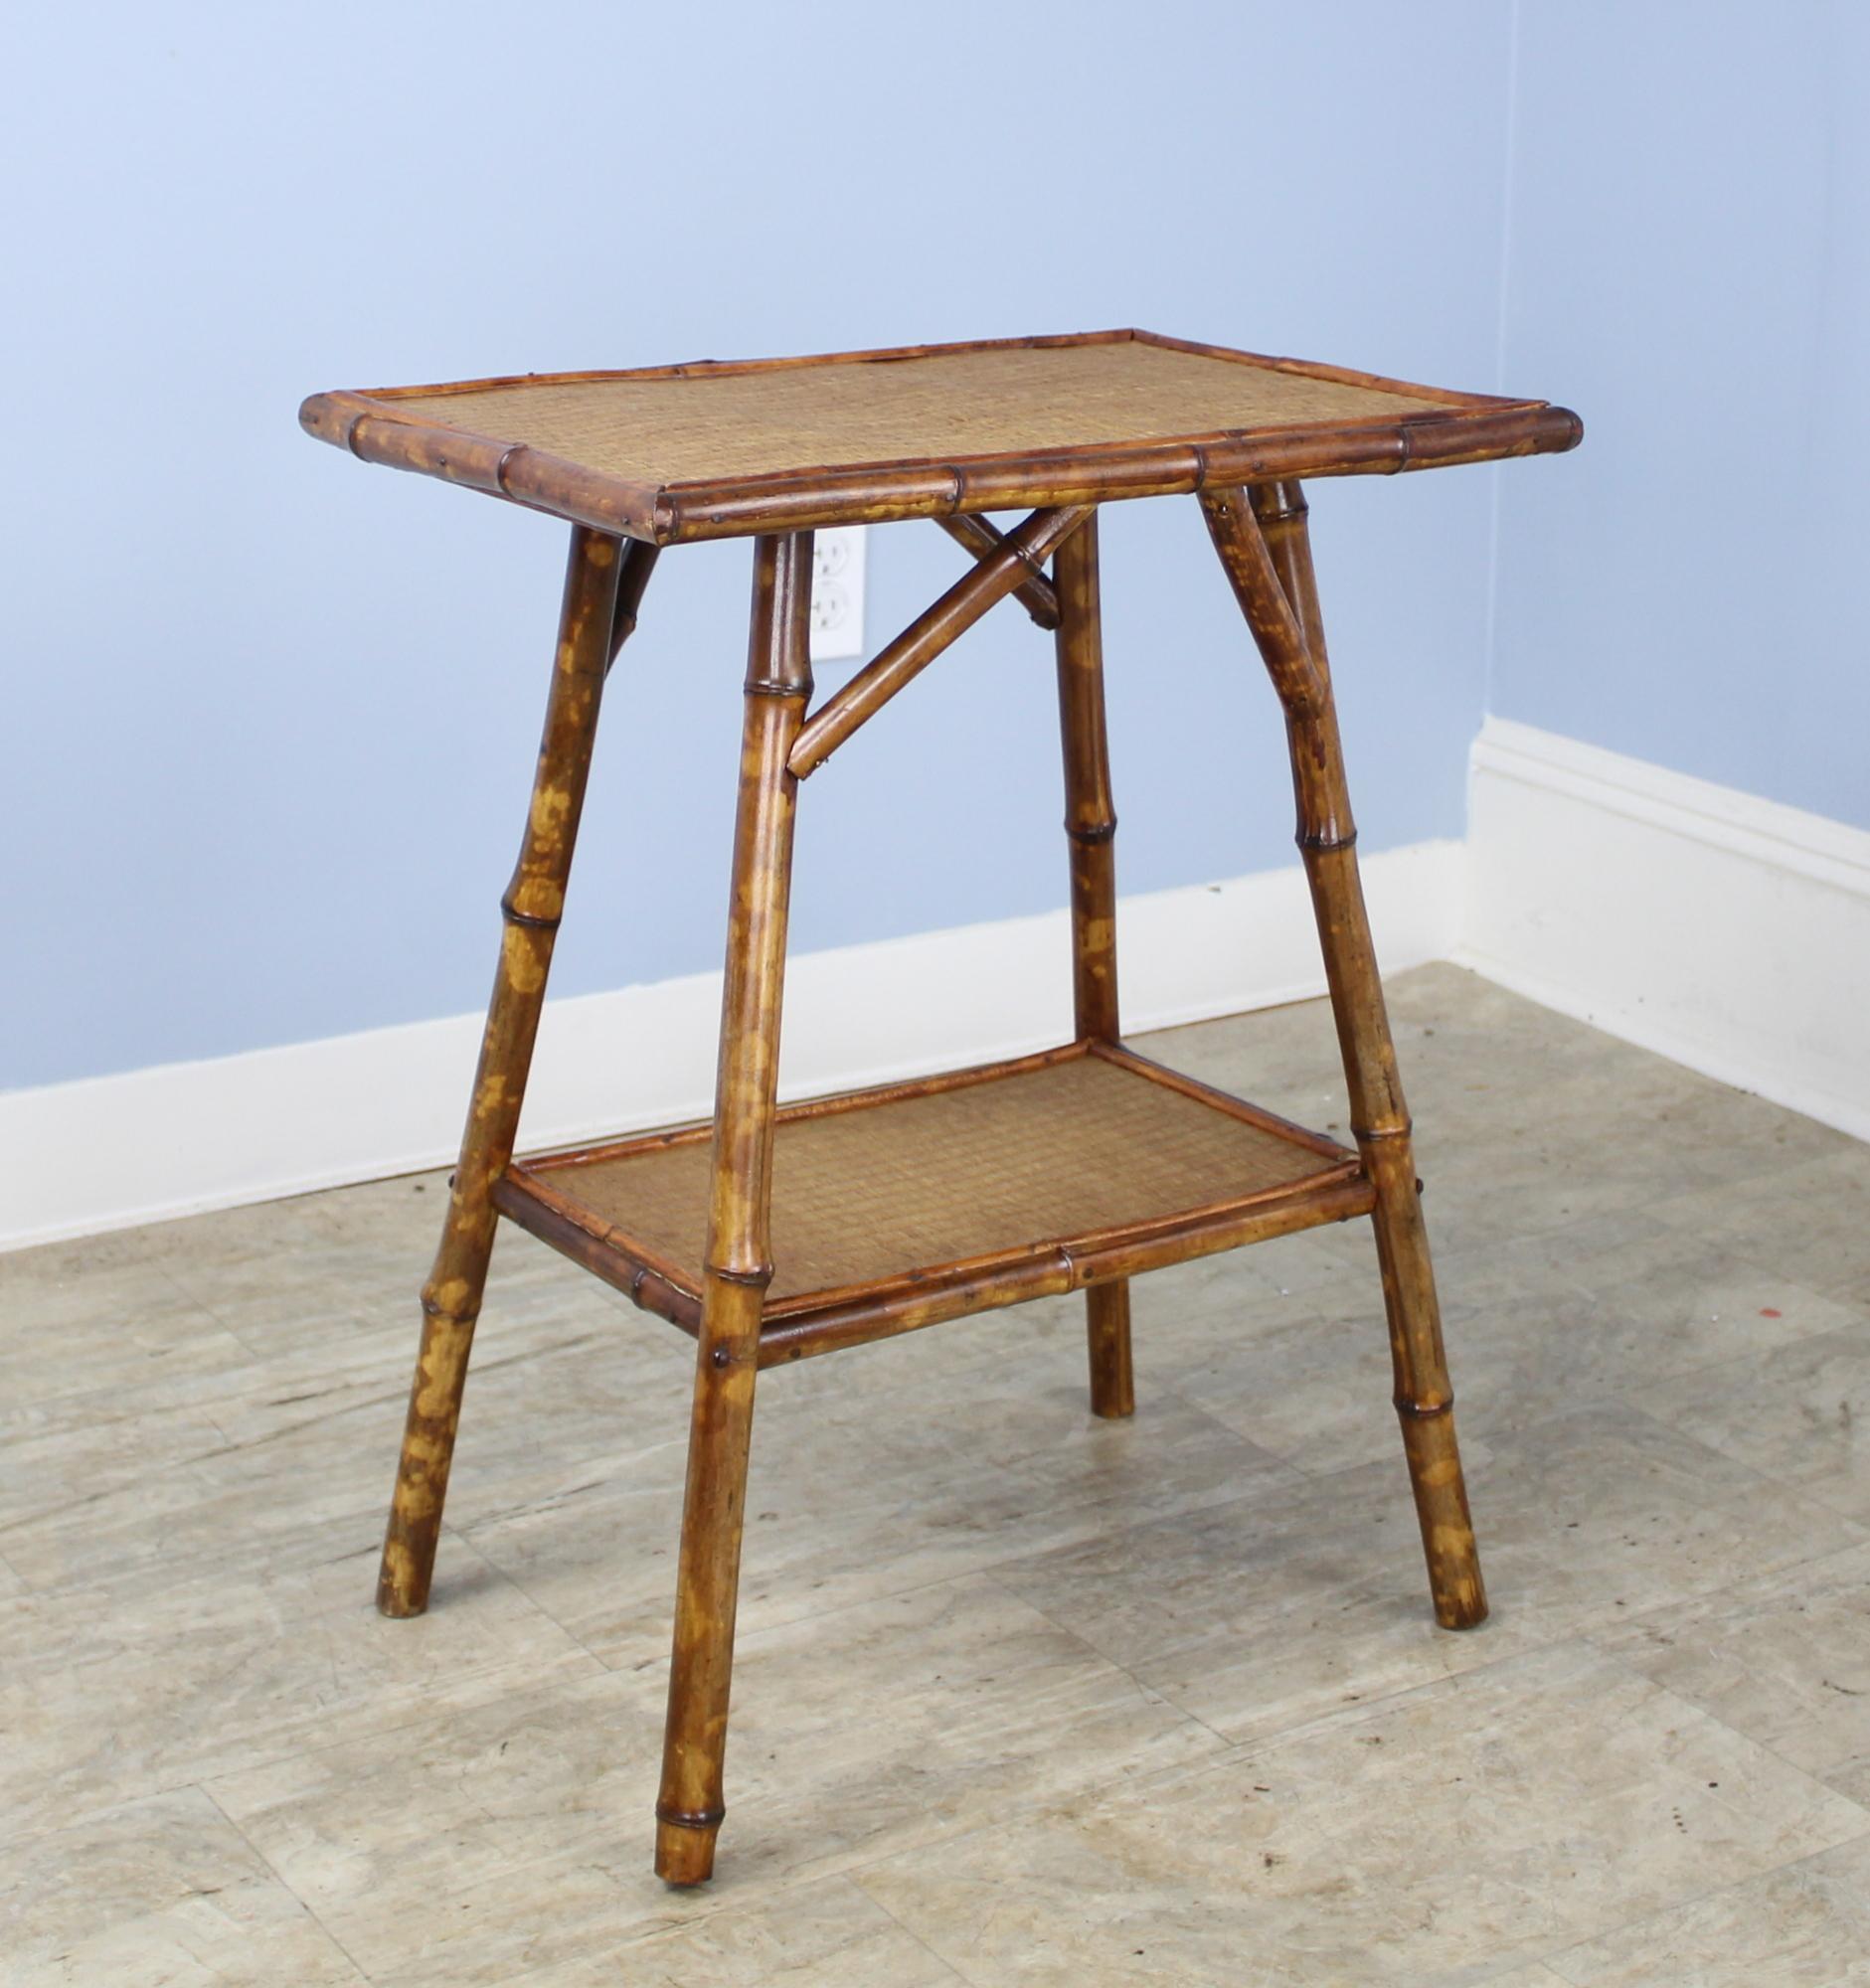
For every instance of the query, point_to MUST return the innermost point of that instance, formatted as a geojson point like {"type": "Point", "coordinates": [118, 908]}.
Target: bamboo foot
{"type": "Point", "coordinates": [1112, 1383]}
{"type": "Point", "coordinates": [1425, 1401]}
{"type": "Point", "coordinates": [422, 1478]}
{"type": "Point", "coordinates": [1447, 1529]}
{"type": "Point", "coordinates": [685, 1850]}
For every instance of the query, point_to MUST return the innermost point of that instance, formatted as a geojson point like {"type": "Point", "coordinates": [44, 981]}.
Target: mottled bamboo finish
{"type": "Point", "coordinates": [1090, 831]}
{"type": "Point", "coordinates": [739, 1264]}
{"type": "Point", "coordinates": [1265, 547]}
{"type": "Point", "coordinates": [531, 909]}
{"type": "Point", "coordinates": [1081, 1193]}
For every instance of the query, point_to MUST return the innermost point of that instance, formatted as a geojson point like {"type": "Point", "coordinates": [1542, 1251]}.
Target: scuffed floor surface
{"type": "Point", "coordinates": [1021, 1698]}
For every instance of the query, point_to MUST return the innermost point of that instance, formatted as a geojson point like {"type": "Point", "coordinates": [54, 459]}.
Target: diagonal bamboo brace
{"type": "Point", "coordinates": [640, 561]}
{"type": "Point", "coordinates": [1035, 594]}
{"type": "Point", "coordinates": [997, 576]}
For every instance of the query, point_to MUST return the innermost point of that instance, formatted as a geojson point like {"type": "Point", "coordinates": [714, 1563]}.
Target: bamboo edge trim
{"type": "Point", "coordinates": [1242, 1108]}
{"type": "Point", "coordinates": [1475, 428]}
{"type": "Point", "coordinates": [696, 1130]}
{"type": "Point", "coordinates": [519, 1188]}
{"type": "Point", "coordinates": [527, 1194]}
{"type": "Point", "coordinates": [704, 369]}
{"type": "Point", "coordinates": [1059, 1274]}
{"type": "Point", "coordinates": [832, 1102]}
{"type": "Point", "coordinates": [936, 1294]}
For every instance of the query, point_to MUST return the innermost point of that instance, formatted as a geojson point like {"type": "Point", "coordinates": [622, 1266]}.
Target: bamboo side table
{"type": "Point", "coordinates": [772, 1234]}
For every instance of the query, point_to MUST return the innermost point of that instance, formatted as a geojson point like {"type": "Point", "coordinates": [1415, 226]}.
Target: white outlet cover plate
{"type": "Point", "coordinates": [837, 593]}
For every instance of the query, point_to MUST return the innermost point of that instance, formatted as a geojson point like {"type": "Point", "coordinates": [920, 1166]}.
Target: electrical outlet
{"type": "Point", "coordinates": [837, 593]}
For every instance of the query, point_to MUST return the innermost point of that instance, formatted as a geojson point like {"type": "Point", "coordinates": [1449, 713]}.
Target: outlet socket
{"type": "Point", "coordinates": [837, 593]}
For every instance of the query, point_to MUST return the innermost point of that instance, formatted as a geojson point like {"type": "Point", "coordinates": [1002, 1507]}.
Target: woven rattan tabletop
{"type": "Point", "coordinates": [720, 449]}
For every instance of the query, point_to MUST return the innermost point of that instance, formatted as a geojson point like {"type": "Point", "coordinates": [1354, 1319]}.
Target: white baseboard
{"type": "Point", "coordinates": [108, 1152]}
{"type": "Point", "coordinates": [1727, 932]}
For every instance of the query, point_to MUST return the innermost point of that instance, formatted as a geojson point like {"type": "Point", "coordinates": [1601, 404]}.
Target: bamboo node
{"type": "Point", "coordinates": [533, 920]}
{"type": "Point", "coordinates": [434, 1308]}
{"type": "Point", "coordinates": [1370, 1134]}
{"type": "Point", "coordinates": [757, 1279]}
{"type": "Point", "coordinates": [1323, 845]}
{"type": "Point", "coordinates": [1277, 503]}
{"type": "Point", "coordinates": [690, 1818]}
{"type": "Point", "coordinates": [1424, 1410]}
{"type": "Point", "coordinates": [1094, 832]}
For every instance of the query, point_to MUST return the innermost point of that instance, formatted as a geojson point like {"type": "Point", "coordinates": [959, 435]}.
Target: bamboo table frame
{"type": "Point", "coordinates": [683, 1220]}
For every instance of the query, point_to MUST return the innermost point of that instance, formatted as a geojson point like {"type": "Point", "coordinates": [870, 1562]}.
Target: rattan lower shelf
{"type": "Point", "coordinates": [895, 1207]}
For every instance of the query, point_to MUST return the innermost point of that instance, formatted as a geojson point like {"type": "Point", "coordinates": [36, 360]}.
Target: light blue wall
{"type": "Point", "coordinates": [270, 713]}
{"type": "Point", "coordinates": [1689, 266]}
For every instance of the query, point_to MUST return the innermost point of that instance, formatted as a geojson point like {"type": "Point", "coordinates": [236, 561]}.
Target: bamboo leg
{"type": "Point", "coordinates": [1091, 826]}
{"type": "Point", "coordinates": [738, 1260]}
{"type": "Point", "coordinates": [1264, 544]}
{"type": "Point", "coordinates": [597, 568]}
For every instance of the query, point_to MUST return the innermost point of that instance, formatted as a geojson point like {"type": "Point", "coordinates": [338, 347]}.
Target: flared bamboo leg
{"type": "Point", "coordinates": [1264, 544]}
{"type": "Point", "coordinates": [1090, 828]}
{"type": "Point", "coordinates": [739, 1250]}
{"type": "Point", "coordinates": [599, 574]}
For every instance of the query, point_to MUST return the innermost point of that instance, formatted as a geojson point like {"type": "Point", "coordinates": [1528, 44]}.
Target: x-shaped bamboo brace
{"type": "Point", "coordinates": [1000, 572]}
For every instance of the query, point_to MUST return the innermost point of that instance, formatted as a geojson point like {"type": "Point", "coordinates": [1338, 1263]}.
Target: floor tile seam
{"type": "Point", "coordinates": [381, 1395]}
{"type": "Point", "coordinates": [84, 1815]}
{"type": "Point", "coordinates": [910, 1934]}
{"type": "Point", "coordinates": [355, 1314]}
{"type": "Point", "coordinates": [1142, 1689]}
{"type": "Point", "coordinates": [1783, 1485]}
{"type": "Point", "coordinates": [525, 1684]}
{"type": "Point", "coordinates": [374, 1317]}
{"type": "Point", "coordinates": [1339, 1714]}
{"type": "Point", "coordinates": [1707, 1368]}
{"type": "Point", "coordinates": [284, 1751]}
{"type": "Point", "coordinates": [1383, 1702]}
{"type": "Point", "coordinates": [215, 1560]}
{"type": "Point", "coordinates": [532, 1600]}
{"type": "Point", "coordinates": [701, 1906]}
{"type": "Point", "coordinates": [1587, 1393]}
{"type": "Point", "coordinates": [285, 1884]}
{"type": "Point", "coordinates": [1858, 1325]}
{"type": "Point", "coordinates": [1624, 1399]}
{"type": "Point", "coordinates": [1634, 1617]}
{"type": "Point", "coordinates": [747, 1638]}
{"type": "Point", "coordinates": [1244, 1750]}
{"type": "Point", "coordinates": [987, 1571]}
{"type": "Point", "coordinates": [136, 1473]}
{"type": "Point", "coordinates": [1619, 1661]}
{"type": "Point", "coordinates": [1553, 1955]}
